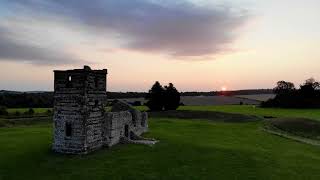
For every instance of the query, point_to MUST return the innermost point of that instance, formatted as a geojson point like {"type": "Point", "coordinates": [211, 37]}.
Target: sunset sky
{"type": "Point", "coordinates": [199, 45]}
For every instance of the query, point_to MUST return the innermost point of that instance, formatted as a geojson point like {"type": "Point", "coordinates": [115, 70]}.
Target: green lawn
{"type": "Point", "coordinates": [253, 110]}
{"type": "Point", "coordinates": [188, 149]}
{"type": "Point", "coordinates": [22, 110]}
{"type": "Point", "coordinates": [244, 109]}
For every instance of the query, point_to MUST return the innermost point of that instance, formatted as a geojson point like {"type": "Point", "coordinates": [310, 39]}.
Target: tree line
{"type": "Point", "coordinates": [22, 100]}
{"type": "Point", "coordinates": [288, 96]}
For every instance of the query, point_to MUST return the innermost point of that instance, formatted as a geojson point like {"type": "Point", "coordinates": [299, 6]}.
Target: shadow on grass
{"type": "Point", "coordinates": [207, 115]}
{"type": "Point", "coordinates": [298, 129]}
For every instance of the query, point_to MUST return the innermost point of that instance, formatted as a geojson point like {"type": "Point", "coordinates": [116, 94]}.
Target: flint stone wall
{"type": "Point", "coordinates": [81, 124]}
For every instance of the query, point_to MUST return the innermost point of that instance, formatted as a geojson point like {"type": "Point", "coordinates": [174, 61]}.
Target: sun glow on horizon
{"type": "Point", "coordinates": [223, 88]}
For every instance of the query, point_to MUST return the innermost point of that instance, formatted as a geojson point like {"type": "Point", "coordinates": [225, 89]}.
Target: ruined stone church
{"type": "Point", "coordinates": [81, 122]}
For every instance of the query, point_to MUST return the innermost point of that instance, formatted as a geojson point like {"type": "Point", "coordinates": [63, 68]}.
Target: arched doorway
{"type": "Point", "coordinates": [126, 130]}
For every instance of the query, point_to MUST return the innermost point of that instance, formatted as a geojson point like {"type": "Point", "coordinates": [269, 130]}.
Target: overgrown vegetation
{"type": "Point", "coordinates": [287, 96]}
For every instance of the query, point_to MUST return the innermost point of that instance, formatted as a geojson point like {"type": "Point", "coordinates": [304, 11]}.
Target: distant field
{"type": "Point", "coordinates": [215, 100]}
{"type": "Point", "coordinates": [258, 97]}
{"type": "Point", "coordinates": [207, 100]}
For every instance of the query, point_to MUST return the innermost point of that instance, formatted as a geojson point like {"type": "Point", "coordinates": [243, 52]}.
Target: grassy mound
{"type": "Point", "coordinates": [208, 115]}
{"type": "Point", "coordinates": [303, 127]}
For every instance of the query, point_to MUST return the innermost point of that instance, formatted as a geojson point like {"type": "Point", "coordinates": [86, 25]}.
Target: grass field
{"type": "Point", "coordinates": [188, 149]}
{"type": "Point", "coordinates": [241, 109]}
{"type": "Point", "coordinates": [22, 110]}
{"type": "Point", "coordinates": [254, 110]}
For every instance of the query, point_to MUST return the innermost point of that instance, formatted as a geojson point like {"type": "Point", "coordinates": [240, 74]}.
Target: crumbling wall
{"type": "Point", "coordinates": [81, 124]}
{"type": "Point", "coordinates": [121, 125]}
{"type": "Point", "coordinates": [116, 126]}
{"type": "Point", "coordinates": [138, 122]}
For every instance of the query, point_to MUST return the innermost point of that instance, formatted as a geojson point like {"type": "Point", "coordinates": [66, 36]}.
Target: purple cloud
{"type": "Point", "coordinates": [182, 29]}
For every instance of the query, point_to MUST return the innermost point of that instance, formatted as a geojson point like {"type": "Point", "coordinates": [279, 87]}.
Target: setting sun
{"type": "Point", "coordinates": [223, 88]}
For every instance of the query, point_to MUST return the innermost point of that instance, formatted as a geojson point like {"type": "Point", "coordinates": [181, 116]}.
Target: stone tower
{"type": "Point", "coordinates": [79, 101]}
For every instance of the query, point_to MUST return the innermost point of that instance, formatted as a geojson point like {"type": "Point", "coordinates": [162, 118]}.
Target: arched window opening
{"type": "Point", "coordinates": [143, 122]}
{"type": "Point", "coordinates": [126, 131]}
{"type": "Point", "coordinates": [69, 83]}
{"type": "Point", "coordinates": [68, 129]}
{"type": "Point", "coordinates": [96, 103]}
{"type": "Point", "coordinates": [96, 82]}
{"type": "Point", "coordinates": [134, 121]}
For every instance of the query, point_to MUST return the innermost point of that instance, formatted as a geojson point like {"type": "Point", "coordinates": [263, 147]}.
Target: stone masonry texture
{"type": "Point", "coordinates": [81, 124]}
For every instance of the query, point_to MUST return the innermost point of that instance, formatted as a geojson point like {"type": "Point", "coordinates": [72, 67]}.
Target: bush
{"type": "Point", "coordinates": [49, 112]}
{"type": "Point", "coordinates": [136, 103]}
{"type": "Point", "coordinates": [17, 113]}
{"type": "Point", "coordinates": [3, 110]}
{"type": "Point", "coordinates": [30, 111]}
{"type": "Point", "coordinates": [2, 123]}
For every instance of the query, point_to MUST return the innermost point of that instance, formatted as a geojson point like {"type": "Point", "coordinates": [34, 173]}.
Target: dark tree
{"type": "Point", "coordinates": [22, 100]}
{"type": "Point", "coordinates": [284, 87]}
{"type": "Point", "coordinates": [307, 96]}
{"type": "Point", "coordinates": [155, 97]}
{"type": "Point", "coordinates": [171, 98]}
{"type": "Point", "coordinates": [309, 88]}
{"type": "Point", "coordinates": [17, 113]}
{"type": "Point", "coordinates": [3, 110]}
{"type": "Point", "coordinates": [312, 82]}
